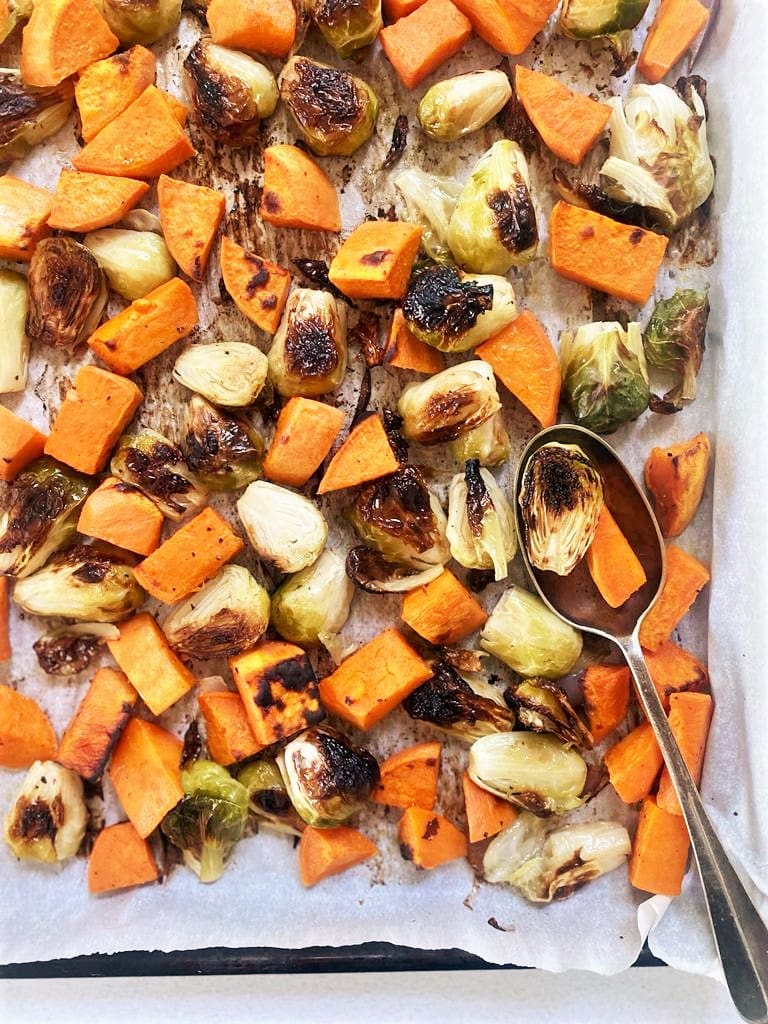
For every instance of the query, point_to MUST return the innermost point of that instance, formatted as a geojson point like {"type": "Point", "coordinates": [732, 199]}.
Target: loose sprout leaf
{"type": "Point", "coordinates": [399, 141]}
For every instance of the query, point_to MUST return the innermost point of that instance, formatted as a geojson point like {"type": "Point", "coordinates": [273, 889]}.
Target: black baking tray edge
{"type": "Point", "coordinates": [370, 956]}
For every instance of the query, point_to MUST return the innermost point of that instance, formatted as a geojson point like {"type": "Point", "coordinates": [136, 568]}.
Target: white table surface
{"type": "Point", "coordinates": [645, 995]}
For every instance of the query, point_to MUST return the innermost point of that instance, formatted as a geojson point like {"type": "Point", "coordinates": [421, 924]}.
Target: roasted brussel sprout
{"type": "Point", "coordinates": [85, 582]}
{"type": "Point", "coordinates": [546, 864]}
{"type": "Point", "coordinates": [135, 262]}
{"type": "Point", "coordinates": [47, 820]}
{"type": "Point", "coordinates": [524, 634]}
{"type": "Point", "coordinates": [467, 710]}
{"type": "Point", "coordinates": [534, 771]}
{"type": "Point", "coordinates": [228, 373]}
{"type": "Point", "coordinates": [371, 571]}
{"type": "Point", "coordinates": [561, 500]}
{"type": "Point", "coordinates": [450, 403]}
{"type": "Point", "coordinates": [157, 467]}
{"type": "Point", "coordinates": [542, 706]}
{"type": "Point", "coordinates": [268, 798]}
{"type": "Point", "coordinates": [459, 106]}
{"type": "Point", "coordinates": [489, 443]}
{"type": "Point", "coordinates": [140, 21]}
{"type": "Point", "coordinates": [27, 116]}
{"type": "Point", "coordinates": [674, 340]}
{"type": "Point", "coordinates": [313, 605]}
{"type": "Point", "coordinates": [328, 777]}
{"type": "Point", "coordinates": [67, 293]}
{"type": "Point", "coordinates": [402, 519]}
{"type": "Point", "coordinates": [14, 343]}
{"type": "Point", "coordinates": [349, 26]}
{"type": "Point", "coordinates": [605, 377]}
{"type": "Point", "coordinates": [221, 448]}
{"type": "Point", "coordinates": [229, 614]}
{"type": "Point", "coordinates": [209, 820]}
{"type": "Point", "coordinates": [283, 527]}
{"type": "Point", "coordinates": [493, 226]}
{"type": "Point", "coordinates": [335, 111]}
{"type": "Point", "coordinates": [429, 201]}
{"type": "Point", "coordinates": [231, 91]}
{"type": "Point", "coordinates": [41, 515]}
{"type": "Point", "coordinates": [659, 155]}
{"type": "Point", "coordinates": [481, 523]}
{"type": "Point", "coordinates": [453, 311]}
{"type": "Point", "coordinates": [586, 19]}
{"type": "Point", "coordinates": [309, 353]}
{"type": "Point", "coordinates": [71, 649]}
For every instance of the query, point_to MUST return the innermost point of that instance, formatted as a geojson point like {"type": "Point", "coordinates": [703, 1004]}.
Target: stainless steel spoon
{"type": "Point", "coordinates": [740, 934]}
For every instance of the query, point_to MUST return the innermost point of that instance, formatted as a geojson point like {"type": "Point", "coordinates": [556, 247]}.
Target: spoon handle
{"type": "Point", "coordinates": [740, 934]}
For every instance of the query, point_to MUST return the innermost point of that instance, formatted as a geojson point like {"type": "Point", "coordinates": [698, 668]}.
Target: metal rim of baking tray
{"type": "Point", "coordinates": [368, 957]}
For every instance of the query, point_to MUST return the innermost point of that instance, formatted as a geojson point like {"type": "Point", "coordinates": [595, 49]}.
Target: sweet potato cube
{"type": "Point", "coordinates": [675, 476]}
{"type": "Point", "coordinates": [24, 213]}
{"type": "Point", "coordinates": [429, 840]}
{"type": "Point", "coordinates": [60, 38]}
{"type": "Point", "coordinates": [190, 215]}
{"type": "Point", "coordinates": [108, 87]}
{"type": "Point", "coordinates": [419, 43]}
{"type": "Point", "coordinates": [329, 851]}
{"type": "Point", "coordinates": [685, 577]}
{"type": "Point", "coordinates": [409, 777]}
{"type": "Point", "coordinates": [689, 719]}
{"type": "Point", "coordinates": [146, 773]}
{"type": "Point", "coordinates": [146, 328]}
{"type": "Point", "coordinates": [365, 455]}
{"type": "Point", "coordinates": [615, 569]}
{"type": "Point", "coordinates": [228, 732]}
{"type": "Point", "coordinates": [297, 193]}
{"type": "Point", "coordinates": [375, 261]}
{"type": "Point", "coordinates": [486, 814]}
{"type": "Point", "coordinates": [634, 763]}
{"type": "Point", "coordinates": [659, 851]}
{"type": "Point", "coordinates": [20, 444]}
{"type": "Point", "coordinates": [568, 122]}
{"type": "Point", "coordinates": [259, 288]}
{"type": "Point", "coordinates": [674, 670]}
{"type": "Point", "coordinates": [100, 717]}
{"type": "Point", "coordinates": [443, 611]}
{"type": "Point", "coordinates": [189, 558]}
{"type": "Point", "coordinates": [406, 352]}
{"type": "Point", "coordinates": [26, 735]}
{"type": "Point", "coordinates": [606, 698]}
{"type": "Point", "coordinates": [676, 25]}
{"type": "Point", "coordinates": [259, 26]}
{"type": "Point", "coordinates": [93, 415]}
{"type": "Point", "coordinates": [278, 689]}
{"type": "Point", "coordinates": [85, 202]}
{"type": "Point", "coordinates": [374, 680]}
{"type": "Point", "coordinates": [509, 26]}
{"type": "Point", "coordinates": [122, 515]}
{"type": "Point", "coordinates": [305, 431]}
{"type": "Point", "coordinates": [120, 859]}
{"type": "Point", "coordinates": [143, 653]}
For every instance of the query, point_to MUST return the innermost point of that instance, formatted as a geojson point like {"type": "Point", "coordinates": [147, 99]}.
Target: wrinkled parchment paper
{"type": "Point", "coordinates": [47, 913]}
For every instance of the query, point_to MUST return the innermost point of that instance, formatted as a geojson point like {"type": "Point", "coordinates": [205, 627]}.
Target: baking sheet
{"type": "Point", "coordinates": [259, 901]}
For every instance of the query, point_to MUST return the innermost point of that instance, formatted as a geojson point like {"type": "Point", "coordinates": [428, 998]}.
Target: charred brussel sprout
{"type": "Point", "coordinates": [371, 571]}
{"type": "Point", "coordinates": [561, 499]}
{"type": "Point", "coordinates": [27, 116]}
{"type": "Point", "coordinates": [453, 311]}
{"type": "Point", "coordinates": [586, 19]}
{"type": "Point", "coordinates": [536, 772]}
{"type": "Point", "coordinates": [459, 106]}
{"type": "Point", "coordinates": [268, 798]}
{"type": "Point", "coordinates": [429, 201]}
{"type": "Point", "coordinates": [140, 21]}
{"type": "Point", "coordinates": [309, 352]}
{"type": "Point", "coordinates": [283, 527]}
{"type": "Point", "coordinates": [399, 141]}
{"type": "Point", "coordinates": [335, 111]}
{"type": "Point", "coordinates": [231, 91]}
{"type": "Point", "coordinates": [546, 864]}
{"type": "Point", "coordinates": [67, 293]}
{"type": "Point", "coordinates": [401, 518]}
{"type": "Point", "coordinates": [157, 467]}
{"type": "Point", "coordinates": [228, 373]}
{"type": "Point", "coordinates": [542, 706]}
{"type": "Point", "coordinates": [659, 156]}
{"type": "Point", "coordinates": [328, 777]}
{"type": "Point", "coordinates": [14, 343]}
{"type": "Point", "coordinates": [349, 26]}
{"type": "Point", "coordinates": [493, 227]}
{"type": "Point", "coordinates": [209, 820]}
{"type": "Point", "coordinates": [465, 710]}
{"type": "Point", "coordinates": [489, 443]}
{"type": "Point", "coordinates": [135, 261]}
{"type": "Point", "coordinates": [229, 614]}
{"type": "Point", "coordinates": [674, 340]}
{"type": "Point", "coordinates": [605, 377]}
{"type": "Point", "coordinates": [41, 515]}
{"type": "Point", "coordinates": [86, 582]}
{"type": "Point", "coordinates": [71, 649]}
{"type": "Point", "coordinates": [449, 404]}
{"type": "Point", "coordinates": [481, 524]}
{"type": "Point", "coordinates": [222, 448]}
{"type": "Point", "coordinates": [591, 197]}
{"type": "Point", "coordinates": [314, 604]}
{"type": "Point", "coordinates": [46, 823]}
{"type": "Point", "coordinates": [524, 634]}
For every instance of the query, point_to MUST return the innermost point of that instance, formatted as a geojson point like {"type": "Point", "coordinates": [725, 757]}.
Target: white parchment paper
{"type": "Point", "coordinates": [260, 902]}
